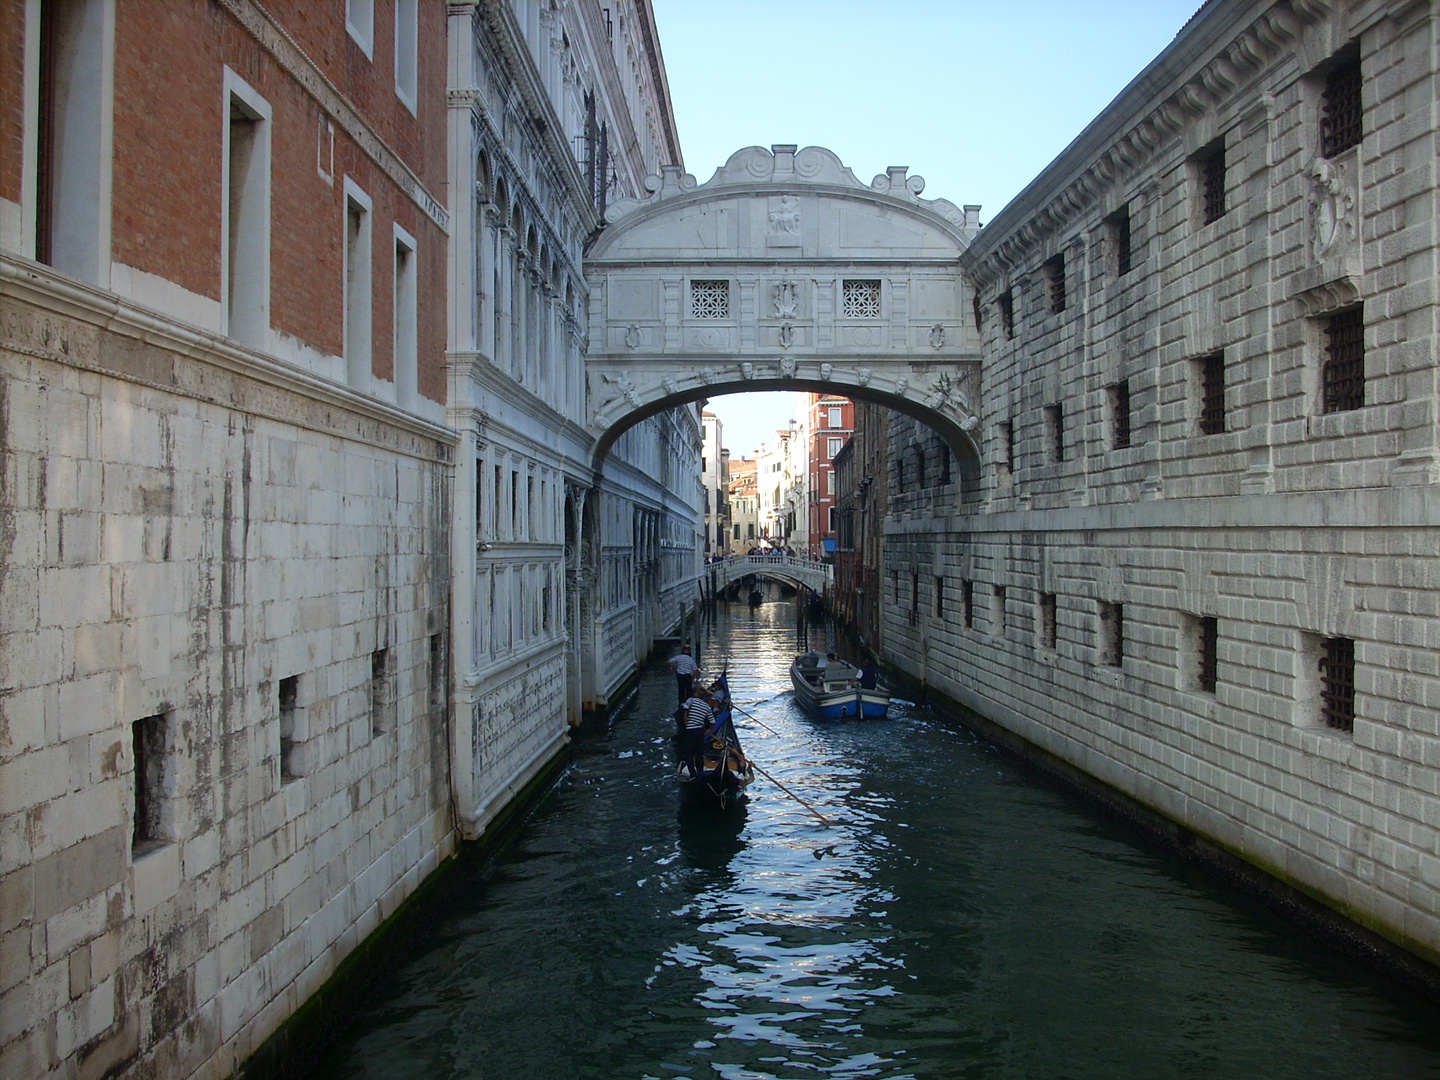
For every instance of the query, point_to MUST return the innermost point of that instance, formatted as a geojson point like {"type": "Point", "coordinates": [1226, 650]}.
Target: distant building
{"type": "Point", "coordinates": [716, 482]}
{"type": "Point", "coordinates": [744, 505]}
{"type": "Point", "coordinates": [861, 471]}
{"type": "Point", "coordinates": [830, 420]}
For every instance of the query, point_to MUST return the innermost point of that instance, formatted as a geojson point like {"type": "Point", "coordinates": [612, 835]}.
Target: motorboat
{"type": "Point", "coordinates": [833, 691]}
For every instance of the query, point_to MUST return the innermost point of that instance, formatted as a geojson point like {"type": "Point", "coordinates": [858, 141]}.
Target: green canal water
{"type": "Point", "coordinates": [963, 917]}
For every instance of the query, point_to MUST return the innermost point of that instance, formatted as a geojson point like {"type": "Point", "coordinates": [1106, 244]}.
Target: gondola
{"type": "Point", "coordinates": [834, 692]}
{"type": "Point", "coordinates": [718, 776]}
{"type": "Point", "coordinates": [756, 598]}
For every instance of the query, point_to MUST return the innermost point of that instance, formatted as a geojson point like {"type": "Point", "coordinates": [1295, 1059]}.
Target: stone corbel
{"type": "Point", "coordinates": [1328, 296]}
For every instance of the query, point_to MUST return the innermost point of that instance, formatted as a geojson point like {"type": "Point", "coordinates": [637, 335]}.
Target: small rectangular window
{"type": "Point", "coordinates": [1112, 634]}
{"type": "Point", "coordinates": [997, 610]}
{"type": "Point", "coordinates": [360, 24]}
{"type": "Point", "coordinates": [1055, 430]}
{"type": "Point", "coordinates": [247, 216]}
{"type": "Point", "coordinates": [1054, 268]}
{"type": "Point", "coordinates": [861, 299]}
{"type": "Point", "coordinates": [1119, 397]}
{"type": "Point", "coordinates": [709, 299]}
{"type": "Point", "coordinates": [1007, 445]}
{"type": "Point", "coordinates": [1117, 232]}
{"type": "Point", "coordinates": [1337, 684]}
{"type": "Point", "coordinates": [150, 745]}
{"type": "Point", "coordinates": [832, 447]}
{"type": "Point", "coordinates": [1006, 303]}
{"type": "Point", "coordinates": [939, 597]}
{"type": "Point", "coordinates": [1341, 114]}
{"type": "Point", "coordinates": [407, 327]}
{"type": "Point", "coordinates": [834, 418]}
{"type": "Point", "coordinates": [382, 713]}
{"type": "Point", "coordinates": [1207, 653]}
{"type": "Point", "coordinates": [1047, 620]}
{"type": "Point", "coordinates": [407, 59]}
{"type": "Point", "coordinates": [288, 692]}
{"type": "Point", "coordinates": [1210, 380]}
{"type": "Point", "coordinates": [1210, 168]}
{"type": "Point", "coordinates": [1343, 373]}
{"type": "Point", "coordinates": [914, 598]}
{"type": "Point", "coordinates": [967, 603]}
{"type": "Point", "coordinates": [358, 292]}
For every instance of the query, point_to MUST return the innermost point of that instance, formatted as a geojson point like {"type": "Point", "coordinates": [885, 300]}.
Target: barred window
{"type": "Point", "coordinates": [709, 299]}
{"type": "Point", "coordinates": [1055, 428]}
{"type": "Point", "coordinates": [1055, 282]}
{"type": "Point", "coordinates": [997, 613]}
{"type": "Point", "coordinates": [1343, 374]}
{"type": "Point", "coordinates": [1211, 165]}
{"type": "Point", "coordinates": [1117, 229]}
{"type": "Point", "coordinates": [1211, 377]}
{"type": "Point", "coordinates": [1120, 415]}
{"type": "Point", "coordinates": [1337, 684]}
{"type": "Point", "coordinates": [1006, 303]}
{"type": "Point", "coordinates": [1047, 620]}
{"type": "Point", "coordinates": [1340, 110]}
{"type": "Point", "coordinates": [862, 299]}
{"type": "Point", "coordinates": [1007, 442]}
{"type": "Point", "coordinates": [1208, 653]}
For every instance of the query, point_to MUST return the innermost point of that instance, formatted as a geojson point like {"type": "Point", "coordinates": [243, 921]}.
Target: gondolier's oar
{"type": "Point", "coordinates": [787, 791]}
{"type": "Point", "coordinates": [752, 716]}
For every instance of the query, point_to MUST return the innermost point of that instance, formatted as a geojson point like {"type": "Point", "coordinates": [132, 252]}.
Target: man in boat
{"type": "Point", "coordinates": [684, 667]}
{"type": "Point", "coordinates": [699, 715]}
{"type": "Point", "coordinates": [868, 675]}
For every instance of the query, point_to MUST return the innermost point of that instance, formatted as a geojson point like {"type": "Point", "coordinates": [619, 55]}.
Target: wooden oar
{"type": "Point", "coordinates": [752, 716]}
{"type": "Point", "coordinates": [787, 791]}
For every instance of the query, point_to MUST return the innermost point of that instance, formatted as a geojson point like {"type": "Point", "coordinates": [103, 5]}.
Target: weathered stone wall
{"type": "Point", "coordinates": [182, 532]}
{"type": "Point", "coordinates": [1294, 523]}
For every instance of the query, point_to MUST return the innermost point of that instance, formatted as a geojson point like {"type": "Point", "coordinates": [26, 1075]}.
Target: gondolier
{"type": "Point", "coordinates": [684, 667]}
{"type": "Point", "coordinates": [699, 715]}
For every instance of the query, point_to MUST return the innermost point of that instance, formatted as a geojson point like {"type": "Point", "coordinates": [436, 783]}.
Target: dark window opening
{"type": "Point", "coordinates": [1209, 653]}
{"type": "Point", "coordinates": [1047, 620]}
{"type": "Point", "coordinates": [1337, 684]}
{"type": "Point", "coordinates": [288, 693]}
{"type": "Point", "coordinates": [1055, 423]}
{"type": "Point", "coordinates": [939, 597]}
{"type": "Point", "coordinates": [1112, 634]}
{"type": "Point", "coordinates": [944, 465]}
{"type": "Point", "coordinates": [999, 611]}
{"type": "Point", "coordinates": [1120, 414]}
{"type": "Point", "coordinates": [1007, 441]}
{"type": "Point", "coordinates": [1212, 393]}
{"type": "Point", "coordinates": [1212, 183]}
{"type": "Point", "coordinates": [380, 691]}
{"type": "Point", "coordinates": [47, 134]}
{"type": "Point", "coordinates": [439, 669]}
{"type": "Point", "coordinates": [914, 598]}
{"type": "Point", "coordinates": [1343, 376]}
{"type": "Point", "coordinates": [148, 741]}
{"type": "Point", "coordinates": [920, 467]}
{"type": "Point", "coordinates": [1340, 109]}
{"type": "Point", "coordinates": [1006, 302]}
{"type": "Point", "coordinates": [1117, 228]}
{"type": "Point", "coordinates": [967, 603]}
{"type": "Point", "coordinates": [975, 309]}
{"type": "Point", "coordinates": [1054, 268]}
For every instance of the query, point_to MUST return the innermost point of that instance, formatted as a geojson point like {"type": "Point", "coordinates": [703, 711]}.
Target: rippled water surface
{"type": "Point", "coordinates": [961, 917]}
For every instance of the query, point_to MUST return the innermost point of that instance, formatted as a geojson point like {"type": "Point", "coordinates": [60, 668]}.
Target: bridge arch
{"type": "Point", "coordinates": [784, 272]}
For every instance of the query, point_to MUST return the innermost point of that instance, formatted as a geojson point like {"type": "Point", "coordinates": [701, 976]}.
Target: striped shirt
{"type": "Point", "coordinates": [684, 664]}
{"type": "Point", "coordinates": [698, 714]}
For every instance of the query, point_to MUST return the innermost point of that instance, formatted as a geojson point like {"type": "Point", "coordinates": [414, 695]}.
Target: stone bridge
{"type": "Point", "coordinates": [784, 272]}
{"type": "Point", "coordinates": [790, 569]}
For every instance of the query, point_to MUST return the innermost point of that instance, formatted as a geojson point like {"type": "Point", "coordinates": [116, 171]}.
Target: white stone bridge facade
{"type": "Point", "coordinates": [791, 569]}
{"type": "Point", "coordinates": [783, 272]}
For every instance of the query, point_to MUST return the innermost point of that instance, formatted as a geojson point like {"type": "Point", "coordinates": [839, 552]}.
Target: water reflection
{"type": "Point", "coordinates": [960, 918]}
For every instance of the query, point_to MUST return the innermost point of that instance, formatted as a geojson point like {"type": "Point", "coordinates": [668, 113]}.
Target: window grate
{"type": "Point", "coordinates": [1337, 691]}
{"type": "Point", "coordinates": [1209, 653]}
{"type": "Point", "coordinates": [1008, 431]}
{"type": "Point", "coordinates": [862, 299]}
{"type": "Point", "coordinates": [709, 299]}
{"type": "Point", "coordinates": [1055, 280]}
{"type": "Point", "coordinates": [1344, 372]}
{"type": "Point", "coordinates": [1120, 405]}
{"type": "Point", "coordinates": [1212, 180]}
{"type": "Point", "coordinates": [1047, 620]}
{"type": "Point", "coordinates": [1341, 112]}
{"type": "Point", "coordinates": [1212, 394]}
{"type": "Point", "coordinates": [1120, 240]}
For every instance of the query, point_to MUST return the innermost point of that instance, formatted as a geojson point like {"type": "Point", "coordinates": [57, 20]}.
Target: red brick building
{"type": "Point", "coordinates": [830, 421]}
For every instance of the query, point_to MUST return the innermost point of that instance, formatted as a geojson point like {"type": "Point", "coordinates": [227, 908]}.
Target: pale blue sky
{"type": "Point", "coordinates": [977, 96]}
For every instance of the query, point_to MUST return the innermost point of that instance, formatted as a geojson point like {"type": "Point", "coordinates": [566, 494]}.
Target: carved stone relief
{"type": "Point", "coordinates": [1332, 207]}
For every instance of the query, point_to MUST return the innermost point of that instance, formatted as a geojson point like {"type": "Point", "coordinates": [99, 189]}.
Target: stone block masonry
{"type": "Point", "coordinates": [223, 752]}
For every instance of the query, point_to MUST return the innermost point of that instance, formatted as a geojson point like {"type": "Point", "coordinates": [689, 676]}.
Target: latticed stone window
{"type": "Point", "coordinates": [709, 299]}
{"type": "Point", "coordinates": [1337, 684]}
{"type": "Point", "coordinates": [1211, 166]}
{"type": "Point", "coordinates": [1340, 112]}
{"type": "Point", "coordinates": [1343, 375]}
{"type": "Point", "coordinates": [1055, 282]}
{"type": "Point", "coordinates": [1211, 377]}
{"type": "Point", "coordinates": [862, 299]}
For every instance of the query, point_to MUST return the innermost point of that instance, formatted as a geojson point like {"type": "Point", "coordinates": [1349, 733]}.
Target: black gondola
{"type": "Point", "coordinates": [718, 773]}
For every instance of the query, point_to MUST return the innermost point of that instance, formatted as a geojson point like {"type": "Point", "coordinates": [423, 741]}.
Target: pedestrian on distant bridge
{"type": "Point", "coordinates": [684, 667]}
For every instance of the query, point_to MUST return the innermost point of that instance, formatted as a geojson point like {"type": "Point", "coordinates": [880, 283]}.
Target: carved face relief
{"type": "Point", "coordinates": [747, 370]}
{"type": "Point", "coordinates": [787, 367]}
{"type": "Point", "coordinates": [826, 370]}
{"type": "Point", "coordinates": [707, 375]}
{"type": "Point", "coordinates": [862, 376]}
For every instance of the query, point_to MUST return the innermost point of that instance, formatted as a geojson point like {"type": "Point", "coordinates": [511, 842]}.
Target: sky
{"type": "Point", "coordinates": [976, 96]}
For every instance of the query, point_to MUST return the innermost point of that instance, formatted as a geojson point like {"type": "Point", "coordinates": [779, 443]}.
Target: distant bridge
{"type": "Point", "coordinates": [791, 569]}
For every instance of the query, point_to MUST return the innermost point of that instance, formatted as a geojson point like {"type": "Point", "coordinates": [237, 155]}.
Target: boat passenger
{"type": "Point", "coordinates": [868, 675]}
{"type": "Point", "coordinates": [684, 667]}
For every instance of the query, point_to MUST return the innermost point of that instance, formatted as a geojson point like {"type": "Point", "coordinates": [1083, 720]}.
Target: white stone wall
{"type": "Point", "coordinates": [182, 530]}
{"type": "Point", "coordinates": [1290, 526]}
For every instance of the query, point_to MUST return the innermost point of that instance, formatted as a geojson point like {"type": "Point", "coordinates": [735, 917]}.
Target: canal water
{"type": "Point", "coordinates": [963, 916]}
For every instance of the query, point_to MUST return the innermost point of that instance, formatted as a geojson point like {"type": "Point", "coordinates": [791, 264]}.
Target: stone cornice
{"type": "Point", "coordinates": [662, 82]}
{"type": "Point", "coordinates": [1220, 50]}
{"type": "Point", "coordinates": [84, 327]}
{"type": "Point", "coordinates": [286, 52]}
